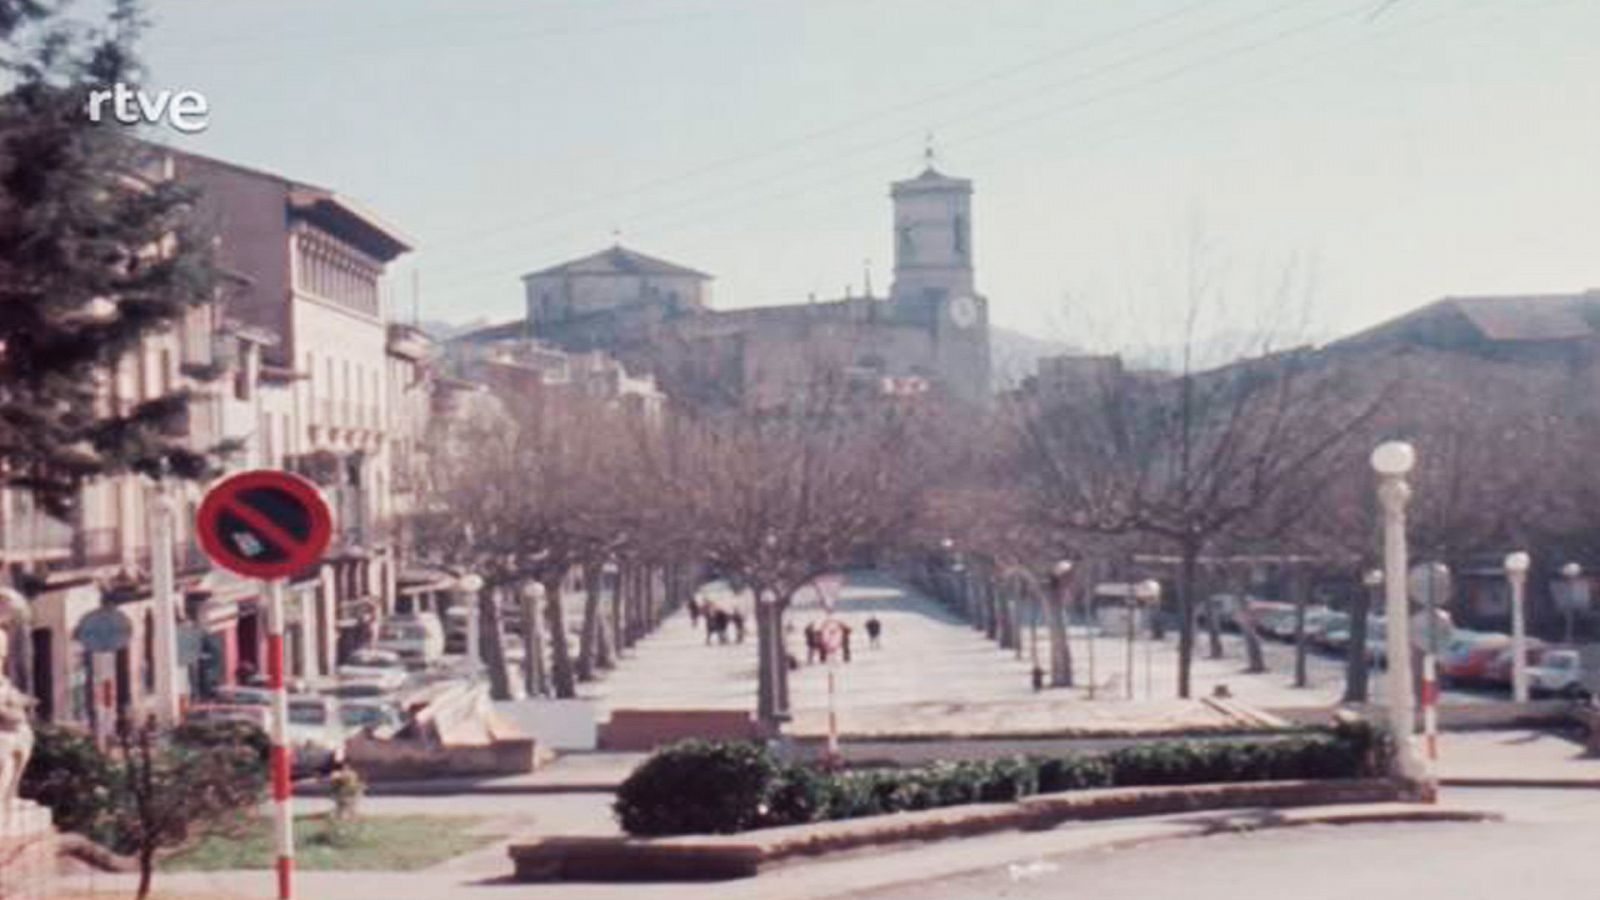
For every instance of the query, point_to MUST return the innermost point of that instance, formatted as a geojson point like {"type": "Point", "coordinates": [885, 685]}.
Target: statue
{"type": "Point", "coordinates": [16, 733]}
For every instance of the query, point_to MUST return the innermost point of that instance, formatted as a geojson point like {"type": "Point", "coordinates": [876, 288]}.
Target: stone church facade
{"type": "Point", "coordinates": [930, 335]}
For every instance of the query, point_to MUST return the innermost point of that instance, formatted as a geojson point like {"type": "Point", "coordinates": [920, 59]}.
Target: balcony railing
{"type": "Point", "coordinates": [97, 547]}
{"type": "Point", "coordinates": [35, 534]}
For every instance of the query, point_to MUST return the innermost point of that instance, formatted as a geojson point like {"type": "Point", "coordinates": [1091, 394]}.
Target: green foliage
{"type": "Point", "coordinates": [81, 210]}
{"type": "Point", "coordinates": [1072, 773]}
{"type": "Point", "coordinates": [69, 774]}
{"type": "Point", "coordinates": [697, 787]}
{"type": "Point", "coordinates": [245, 745]}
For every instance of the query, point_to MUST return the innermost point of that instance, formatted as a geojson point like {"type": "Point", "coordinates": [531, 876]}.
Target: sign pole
{"type": "Point", "coordinates": [282, 786]}
{"type": "Point", "coordinates": [166, 614]}
{"type": "Point", "coordinates": [269, 525]}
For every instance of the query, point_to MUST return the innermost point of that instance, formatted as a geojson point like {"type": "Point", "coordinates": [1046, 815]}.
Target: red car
{"type": "Point", "coordinates": [1468, 656]}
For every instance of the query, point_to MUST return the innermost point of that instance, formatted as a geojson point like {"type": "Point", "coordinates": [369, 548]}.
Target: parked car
{"type": "Point", "coordinates": [241, 696]}
{"type": "Point", "coordinates": [1468, 654]}
{"type": "Point", "coordinates": [316, 734]}
{"type": "Point", "coordinates": [1499, 670]}
{"type": "Point", "coordinates": [457, 619]}
{"type": "Point", "coordinates": [1559, 673]}
{"type": "Point", "coordinates": [1320, 629]}
{"type": "Point", "coordinates": [219, 712]}
{"type": "Point", "coordinates": [1278, 622]}
{"type": "Point", "coordinates": [345, 691]}
{"type": "Point", "coordinates": [379, 718]}
{"type": "Point", "coordinates": [383, 668]}
{"type": "Point", "coordinates": [417, 640]}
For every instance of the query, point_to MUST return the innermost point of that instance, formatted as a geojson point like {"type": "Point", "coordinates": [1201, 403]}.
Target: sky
{"type": "Point", "coordinates": [1315, 165]}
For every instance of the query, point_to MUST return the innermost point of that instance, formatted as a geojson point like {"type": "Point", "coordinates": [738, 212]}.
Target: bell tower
{"type": "Point", "coordinates": [932, 240]}
{"type": "Point", "coordinates": [933, 276]}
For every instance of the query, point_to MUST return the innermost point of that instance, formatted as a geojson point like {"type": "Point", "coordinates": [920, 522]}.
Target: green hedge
{"type": "Point", "coordinates": [698, 787]}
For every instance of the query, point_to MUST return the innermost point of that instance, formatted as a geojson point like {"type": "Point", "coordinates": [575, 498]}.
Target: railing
{"type": "Point", "coordinates": [97, 547]}
{"type": "Point", "coordinates": [33, 534]}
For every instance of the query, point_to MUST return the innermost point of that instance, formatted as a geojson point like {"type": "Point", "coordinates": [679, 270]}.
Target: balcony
{"type": "Point", "coordinates": [34, 536]}
{"type": "Point", "coordinates": [97, 547]}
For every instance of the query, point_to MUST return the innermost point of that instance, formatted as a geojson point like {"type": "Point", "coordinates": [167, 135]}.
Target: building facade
{"type": "Point", "coordinates": [930, 334]}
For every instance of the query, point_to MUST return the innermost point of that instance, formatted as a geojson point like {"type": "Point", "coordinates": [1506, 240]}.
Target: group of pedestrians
{"type": "Point", "coordinates": [817, 643]}
{"type": "Point", "coordinates": [719, 621]}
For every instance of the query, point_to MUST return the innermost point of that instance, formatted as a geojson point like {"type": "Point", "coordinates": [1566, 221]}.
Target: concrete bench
{"type": "Point", "coordinates": [647, 729]}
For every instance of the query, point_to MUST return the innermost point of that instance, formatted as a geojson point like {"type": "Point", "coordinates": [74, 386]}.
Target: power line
{"type": "Point", "coordinates": [1164, 76]}
{"type": "Point", "coordinates": [790, 144]}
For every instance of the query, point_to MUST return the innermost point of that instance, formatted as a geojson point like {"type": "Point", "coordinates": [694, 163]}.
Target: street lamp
{"type": "Point", "coordinates": [470, 584]}
{"type": "Point", "coordinates": [1570, 573]}
{"type": "Point", "coordinates": [1517, 575]}
{"type": "Point", "coordinates": [1033, 639]}
{"type": "Point", "coordinates": [1148, 595]}
{"type": "Point", "coordinates": [1392, 461]}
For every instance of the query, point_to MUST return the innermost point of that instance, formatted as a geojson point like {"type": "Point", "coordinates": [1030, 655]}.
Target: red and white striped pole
{"type": "Point", "coordinates": [282, 754]}
{"type": "Point", "coordinates": [1430, 723]}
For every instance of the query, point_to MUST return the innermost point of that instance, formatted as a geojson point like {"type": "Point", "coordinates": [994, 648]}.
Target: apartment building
{"type": "Point", "coordinates": [314, 262]}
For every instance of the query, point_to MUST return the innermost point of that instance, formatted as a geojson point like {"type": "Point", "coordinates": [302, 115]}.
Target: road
{"type": "Point", "coordinates": [1545, 849]}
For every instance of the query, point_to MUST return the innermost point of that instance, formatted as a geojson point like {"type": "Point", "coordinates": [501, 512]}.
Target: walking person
{"type": "Point", "coordinates": [813, 643]}
{"type": "Point", "coordinates": [874, 630]}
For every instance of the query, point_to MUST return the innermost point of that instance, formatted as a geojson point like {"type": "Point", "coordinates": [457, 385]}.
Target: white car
{"type": "Point", "coordinates": [316, 734]}
{"type": "Point", "coordinates": [418, 641]}
{"type": "Point", "coordinates": [1559, 673]}
{"type": "Point", "coordinates": [383, 669]}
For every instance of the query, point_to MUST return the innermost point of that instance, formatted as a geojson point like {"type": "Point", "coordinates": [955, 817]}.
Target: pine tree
{"type": "Point", "coordinates": [95, 254]}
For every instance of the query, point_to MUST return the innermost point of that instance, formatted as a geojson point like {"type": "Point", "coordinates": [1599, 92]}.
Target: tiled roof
{"type": "Point", "coordinates": [1535, 318]}
{"type": "Point", "coordinates": [619, 260]}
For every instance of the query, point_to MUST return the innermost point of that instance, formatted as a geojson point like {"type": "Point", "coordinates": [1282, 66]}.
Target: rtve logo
{"type": "Point", "coordinates": [186, 110]}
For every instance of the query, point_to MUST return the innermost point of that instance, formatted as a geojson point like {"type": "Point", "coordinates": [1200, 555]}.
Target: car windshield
{"type": "Point", "coordinates": [403, 633]}
{"type": "Point", "coordinates": [360, 716]}
{"type": "Point", "coordinates": [308, 714]}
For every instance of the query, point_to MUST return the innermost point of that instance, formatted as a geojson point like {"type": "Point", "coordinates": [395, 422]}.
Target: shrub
{"type": "Point", "coordinates": [701, 787]}
{"type": "Point", "coordinates": [698, 787]}
{"type": "Point", "coordinates": [801, 794]}
{"type": "Point", "coordinates": [1072, 773]}
{"type": "Point", "coordinates": [69, 774]}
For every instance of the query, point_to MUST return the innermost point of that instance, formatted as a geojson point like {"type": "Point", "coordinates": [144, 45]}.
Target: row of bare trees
{"type": "Point", "coordinates": [541, 484]}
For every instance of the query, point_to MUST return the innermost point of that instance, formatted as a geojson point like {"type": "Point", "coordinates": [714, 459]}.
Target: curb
{"type": "Point", "coordinates": [719, 857]}
{"type": "Point", "coordinates": [464, 789]}
{"type": "Point", "coordinates": [1512, 782]}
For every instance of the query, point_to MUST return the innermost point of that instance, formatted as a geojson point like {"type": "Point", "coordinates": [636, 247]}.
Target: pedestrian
{"type": "Point", "coordinates": [844, 640]}
{"type": "Point", "coordinates": [813, 643]}
{"type": "Point", "coordinates": [738, 626]}
{"type": "Point", "coordinates": [874, 629]}
{"type": "Point", "coordinates": [694, 612]}
{"type": "Point", "coordinates": [711, 613]}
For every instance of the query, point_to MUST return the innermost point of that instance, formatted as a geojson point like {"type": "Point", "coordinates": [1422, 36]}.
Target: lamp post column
{"type": "Point", "coordinates": [1393, 461]}
{"type": "Point", "coordinates": [1517, 575]}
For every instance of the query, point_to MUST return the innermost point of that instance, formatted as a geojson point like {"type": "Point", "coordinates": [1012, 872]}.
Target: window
{"type": "Point", "coordinates": [961, 235]}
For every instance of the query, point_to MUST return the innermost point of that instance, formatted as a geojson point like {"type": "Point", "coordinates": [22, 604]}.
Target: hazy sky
{"type": "Point", "coordinates": [1389, 153]}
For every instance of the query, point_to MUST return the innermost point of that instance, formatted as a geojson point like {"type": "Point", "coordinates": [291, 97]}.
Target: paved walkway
{"type": "Point", "coordinates": [1518, 756]}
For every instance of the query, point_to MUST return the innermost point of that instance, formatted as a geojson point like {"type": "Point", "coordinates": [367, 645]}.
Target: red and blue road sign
{"type": "Point", "coordinates": [264, 524]}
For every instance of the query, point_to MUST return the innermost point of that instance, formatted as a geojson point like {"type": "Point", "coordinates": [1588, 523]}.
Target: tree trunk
{"type": "Point", "coordinates": [1254, 651]}
{"type": "Point", "coordinates": [491, 642]}
{"type": "Point", "coordinates": [605, 643]}
{"type": "Point", "coordinates": [561, 673]}
{"type": "Point", "coordinates": [1356, 664]}
{"type": "Point", "coordinates": [1213, 624]}
{"type": "Point", "coordinates": [619, 637]}
{"type": "Point", "coordinates": [766, 686]}
{"type": "Point", "coordinates": [1186, 584]}
{"type": "Point", "coordinates": [1060, 595]}
{"type": "Point", "coordinates": [147, 869]}
{"type": "Point", "coordinates": [535, 679]}
{"type": "Point", "coordinates": [590, 633]}
{"type": "Point", "coordinates": [1299, 588]}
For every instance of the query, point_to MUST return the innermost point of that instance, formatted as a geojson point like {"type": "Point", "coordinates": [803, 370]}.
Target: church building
{"type": "Point", "coordinates": [930, 335]}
